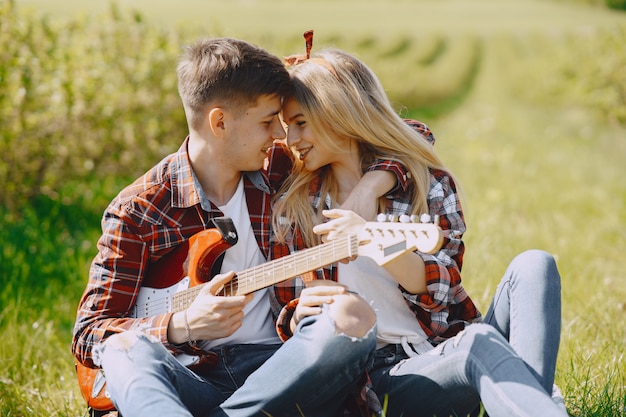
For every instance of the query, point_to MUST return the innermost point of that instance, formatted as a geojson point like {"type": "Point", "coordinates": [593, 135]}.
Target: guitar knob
{"type": "Point", "coordinates": [405, 218]}
{"type": "Point", "coordinates": [425, 218]}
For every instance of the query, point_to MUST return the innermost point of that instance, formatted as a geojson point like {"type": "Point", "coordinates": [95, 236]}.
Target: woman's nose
{"type": "Point", "coordinates": [292, 137]}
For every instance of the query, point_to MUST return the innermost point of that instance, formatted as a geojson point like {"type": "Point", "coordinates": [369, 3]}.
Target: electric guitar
{"type": "Point", "coordinates": [172, 283]}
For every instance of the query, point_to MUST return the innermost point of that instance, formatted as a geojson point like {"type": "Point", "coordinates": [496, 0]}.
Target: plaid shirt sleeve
{"type": "Point", "coordinates": [138, 228]}
{"type": "Point", "coordinates": [114, 280]}
{"type": "Point", "coordinates": [397, 168]}
{"type": "Point", "coordinates": [445, 309]}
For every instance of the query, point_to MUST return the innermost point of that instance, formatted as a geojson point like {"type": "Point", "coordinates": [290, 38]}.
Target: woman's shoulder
{"type": "Point", "coordinates": [421, 128]}
{"type": "Point", "coordinates": [442, 178]}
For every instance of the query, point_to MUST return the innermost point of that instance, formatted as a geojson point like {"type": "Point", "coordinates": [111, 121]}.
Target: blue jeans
{"type": "Point", "coordinates": [480, 364]}
{"type": "Point", "coordinates": [311, 374]}
{"type": "Point", "coordinates": [526, 310]}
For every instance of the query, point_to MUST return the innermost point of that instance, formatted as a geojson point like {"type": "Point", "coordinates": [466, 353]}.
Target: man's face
{"type": "Point", "coordinates": [251, 133]}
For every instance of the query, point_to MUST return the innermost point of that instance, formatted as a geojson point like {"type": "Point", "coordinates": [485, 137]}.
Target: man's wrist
{"type": "Point", "coordinates": [176, 333]}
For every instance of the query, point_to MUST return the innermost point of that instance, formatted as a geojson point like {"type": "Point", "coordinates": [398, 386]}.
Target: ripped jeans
{"type": "Point", "coordinates": [311, 374]}
{"type": "Point", "coordinates": [507, 362]}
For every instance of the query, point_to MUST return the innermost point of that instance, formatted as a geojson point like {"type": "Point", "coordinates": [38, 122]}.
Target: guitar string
{"type": "Point", "coordinates": [249, 279]}
{"type": "Point", "coordinates": [246, 279]}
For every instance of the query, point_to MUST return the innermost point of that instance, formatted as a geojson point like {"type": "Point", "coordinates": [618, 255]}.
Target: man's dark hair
{"type": "Point", "coordinates": [227, 72]}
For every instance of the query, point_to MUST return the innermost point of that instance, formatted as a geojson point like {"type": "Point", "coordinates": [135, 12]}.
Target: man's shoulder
{"type": "Point", "coordinates": [150, 196]}
{"type": "Point", "coordinates": [156, 179]}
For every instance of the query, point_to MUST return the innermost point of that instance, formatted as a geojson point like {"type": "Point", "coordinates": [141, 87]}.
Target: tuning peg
{"type": "Point", "coordinates": [425, 218]}
{"type": "Point", "coordinates": [405, 218]}
{"type": "Point", "coordinates": [381, 218]}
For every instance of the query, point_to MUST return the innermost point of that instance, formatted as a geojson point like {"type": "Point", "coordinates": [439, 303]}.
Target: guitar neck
{"type": "Point", "coordinates": [273, 272]}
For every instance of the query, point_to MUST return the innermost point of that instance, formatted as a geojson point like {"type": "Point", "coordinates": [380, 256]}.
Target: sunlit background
{"type": "Point", "coordinates": [527, 100]}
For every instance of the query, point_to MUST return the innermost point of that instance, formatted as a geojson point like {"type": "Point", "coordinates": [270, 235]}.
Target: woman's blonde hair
{"type": "Point", "coordinates": [341, 96]}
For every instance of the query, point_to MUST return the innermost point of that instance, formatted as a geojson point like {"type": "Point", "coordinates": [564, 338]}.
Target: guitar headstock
{"type": "Point", "coordinates": [389, 238]}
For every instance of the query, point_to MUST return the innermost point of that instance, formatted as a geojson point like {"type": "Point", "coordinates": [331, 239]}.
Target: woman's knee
{"type": "Point", "coordinates": [536, 264]}
{"type": "Point", "coordinates": [537, 257]}
{"type": "Point", "coordinates": [352, 315]}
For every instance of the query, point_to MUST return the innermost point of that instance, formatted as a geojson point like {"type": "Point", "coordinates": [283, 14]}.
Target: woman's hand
{"type": "Point", "coordinates": [316, 293]}
{"type": "Point", "coordinates": [343, 223]}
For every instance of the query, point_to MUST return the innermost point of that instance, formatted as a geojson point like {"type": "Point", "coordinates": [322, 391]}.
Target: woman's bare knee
{"type": "Point", "coordinates": [352, 315]}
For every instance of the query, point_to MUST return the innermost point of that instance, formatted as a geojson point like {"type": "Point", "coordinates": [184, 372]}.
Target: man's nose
{"type": "Point", "coordinates": [278, 131]}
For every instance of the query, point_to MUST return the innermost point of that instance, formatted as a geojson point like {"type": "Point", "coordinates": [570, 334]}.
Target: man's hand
{"type": "Point", "coordinates": [209, 316]}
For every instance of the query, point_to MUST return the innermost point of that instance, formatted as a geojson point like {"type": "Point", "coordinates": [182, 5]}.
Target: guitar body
{"type": "Point", "coordinates": [189, 265]}
{"type": "Point", "coordinates": [194, 258]}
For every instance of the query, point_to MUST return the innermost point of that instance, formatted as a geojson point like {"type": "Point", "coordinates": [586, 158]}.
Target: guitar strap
{"type": "Point", "coordinates": [217, 265]}
{"type": "Point", "coordinates": [229, 234]}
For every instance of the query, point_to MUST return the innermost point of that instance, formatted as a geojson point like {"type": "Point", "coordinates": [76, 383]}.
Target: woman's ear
{"type": "Point", "coordinates": [215, 119]}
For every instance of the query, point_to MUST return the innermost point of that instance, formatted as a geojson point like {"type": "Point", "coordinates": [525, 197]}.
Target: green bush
{"type": "Point", "coordinates": [616, 4]}
{"type": "Point", "coordinates": [95, 97]}
{"type": "Point", "coordinates": [92, 97]}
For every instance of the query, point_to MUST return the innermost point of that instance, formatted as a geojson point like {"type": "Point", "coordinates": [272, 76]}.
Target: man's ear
{"type": "Point", "coordinates": [216, 118]}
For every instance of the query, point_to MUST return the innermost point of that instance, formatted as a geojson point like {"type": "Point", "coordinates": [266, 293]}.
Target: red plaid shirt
{"type": "Point", "coordinates": [145, 222]}
{"type": "Point", "coordinates": [446, 308]}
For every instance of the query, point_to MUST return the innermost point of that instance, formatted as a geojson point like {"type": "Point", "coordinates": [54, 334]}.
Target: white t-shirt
{"type": "Point", "coordinates": [258, 324]}
{"type": "Point", "coordinates": [395, 322]}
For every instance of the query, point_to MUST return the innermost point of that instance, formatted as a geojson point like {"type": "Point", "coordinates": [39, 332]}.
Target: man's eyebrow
{"type": "Point", "coordinates": [273, 114]}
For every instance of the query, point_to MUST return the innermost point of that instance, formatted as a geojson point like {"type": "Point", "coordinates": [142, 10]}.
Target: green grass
{"type": "Point", "coordinates": [537, 173]}
{"type": "Point", "coordinates": [550, 178]}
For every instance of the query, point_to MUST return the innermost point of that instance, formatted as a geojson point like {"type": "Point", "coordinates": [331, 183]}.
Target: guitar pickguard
{"type": "Point", "coordinates": [154, 301]}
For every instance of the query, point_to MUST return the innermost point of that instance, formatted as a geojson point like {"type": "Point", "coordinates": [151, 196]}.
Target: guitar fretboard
{"type": "Point", "coordinates": [276, 271]}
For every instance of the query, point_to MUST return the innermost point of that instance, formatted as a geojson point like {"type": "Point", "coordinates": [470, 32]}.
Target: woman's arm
{"type": "Point", "coordinates": [409, 269]}
{"type": "Point", "coordinates": [363, 200]}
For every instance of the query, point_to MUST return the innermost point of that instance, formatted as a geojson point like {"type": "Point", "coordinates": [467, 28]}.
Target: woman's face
{"type": "Point", "coordinates": [313, 153]}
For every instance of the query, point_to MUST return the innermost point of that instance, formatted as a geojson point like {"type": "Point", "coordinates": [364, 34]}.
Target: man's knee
{"type": "Point", "coordinates": [124, 340]}
{"type": "Point", "coordinates": [352, 315]}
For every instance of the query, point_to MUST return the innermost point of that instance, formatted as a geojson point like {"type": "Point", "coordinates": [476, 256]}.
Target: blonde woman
{"type": "Point", "coordinates": [433, 356]}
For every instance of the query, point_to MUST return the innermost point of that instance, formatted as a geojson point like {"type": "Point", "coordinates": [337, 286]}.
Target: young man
{"type": "Point", "coordinates": [231, 92]}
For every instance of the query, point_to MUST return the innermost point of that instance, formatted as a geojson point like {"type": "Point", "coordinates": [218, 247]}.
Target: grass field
{"type": "Point", "coordinates": [535, 174]}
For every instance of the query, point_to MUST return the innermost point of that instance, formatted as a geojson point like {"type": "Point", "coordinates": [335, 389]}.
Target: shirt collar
{"type": "Point", "coordinates": [186, 189]}
{"type": "Point", "coordinates": [184, 192]}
